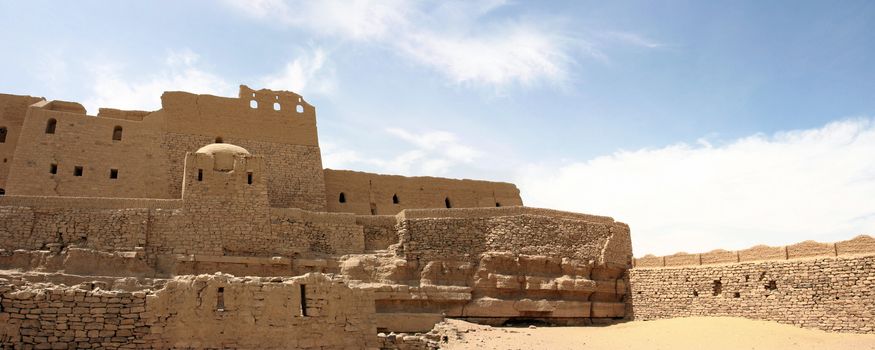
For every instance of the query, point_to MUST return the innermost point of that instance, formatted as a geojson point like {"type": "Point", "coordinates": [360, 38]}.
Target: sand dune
{"type": "Point", "coordinates": [679, 333]}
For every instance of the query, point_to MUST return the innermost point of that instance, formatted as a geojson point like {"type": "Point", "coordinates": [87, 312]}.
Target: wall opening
{"type": "Point", "coordinates": [253, 104]}
{"type": "Point", "coordinates": [220, 299]}
{"type": "Point", "coordinates": [736, 295]}
{"type": "Point", "coordinates": [395, 199]}
{"type": "Point", "coordinates": [342, 198]}
{"type": "Point", "coordinates": [447, 202]}
{"type": "Point", "coordinates": [2, 192]}
{"type": "Point", "coordinates": [200, 174]}
{"type": "Point", "coordinates": [113, 173]}
{"type": "Point", "coordinates": [304, 300]}
{"type": "Point", "coordinates": [53, 168]}
{"type": "Point", "coordinates": [219, 139]}
{"type": "Point", "coordinates": [497, 204]}
{"type": "Point", "coordinates": [78, 170]}
{"type": "Point", "coordinates": [717, 288]}
{"type": "Point", "coordinates": [3, 134]}
{"type": "Point", "coordinates": [299, 109]}
{"type": "Point", "coordinates": [50, 126]}
{"type": "Point", "coordinates": [117, 133]}
{"type": "Point", "coordinates": [373, 209]}
{"type": "Point", "coordinates": [695, 293]}
{"type": "Point", "coordinates": [276, 106]}
{"type": "Point", "coordinates": [772, 285]}
{"type": "Point", "coordinates": [249, 177]}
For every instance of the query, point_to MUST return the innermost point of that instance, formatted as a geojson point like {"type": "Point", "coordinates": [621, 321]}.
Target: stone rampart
{"type": "Point", "coordinates": [828, 286]}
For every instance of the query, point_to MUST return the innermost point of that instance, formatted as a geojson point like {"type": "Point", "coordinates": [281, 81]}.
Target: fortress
{"type": "Point", "coordinates": [211, 223]}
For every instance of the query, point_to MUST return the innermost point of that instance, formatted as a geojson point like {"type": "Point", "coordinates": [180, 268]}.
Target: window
{"type": "Point", "coordinates": [50, 126]}
{"type": "Point", "coordinates": [200, 174]}
{"type": "Point", "coordinates": [219, 139]}
{"type": "Point", "coordinates": [77, 171]}
{"type": "Point", "coordinates": [113, 173]}
{"type": "Point", "coordinates": [249, 177]}
{"type": "Point", "coordinates": [3, 134]}
{"type": "Point", "coordinates": [117, 133]}
{"type": "Point", "coordinates": [342, 198]}
{"type": "Point", "coordinates": [2, 192]}
{"type": "Point", "coordinates": [395, 199]}
{"type": "Point", "coordinates": [447, 202]}
{"type": "Point", "coordinates": [220, 299]}
{"type": "Point", "coordinates": [717, 288]}
{"type": "Point", "coordinates": [276, 106]}
{"type": "Point", "coordinates": [253, 104]}
{"type": "Point", "coordinates": [497, 204]}
{"type": "Point", "coordinates": [53, 169]}
{"type": "Point", "coordinates": [304, 300]}
{"type": "Point", "coordinates": [299, 109]}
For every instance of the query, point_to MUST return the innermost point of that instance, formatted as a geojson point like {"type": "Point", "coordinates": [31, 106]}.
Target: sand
{"type": "Point", "coordinates": [679, 333]}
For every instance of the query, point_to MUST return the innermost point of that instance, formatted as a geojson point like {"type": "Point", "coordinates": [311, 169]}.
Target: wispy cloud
{"type": "Point", "coordinates": [114, 85]}
{"type": "Point", "coordinates": [309, 73]}
{"type": "Point", "coordinates": [458, 39]}
{"type": "Point", "coordinates": [431, 153]}
{"type": "Point", "coordinates": [778, 189]}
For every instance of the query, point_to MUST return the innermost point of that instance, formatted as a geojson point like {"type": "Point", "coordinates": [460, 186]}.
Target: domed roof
{"type": "Point", "coordinates": [222, 148]}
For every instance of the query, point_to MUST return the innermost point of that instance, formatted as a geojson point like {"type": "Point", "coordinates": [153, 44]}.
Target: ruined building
{"type": "Point", "coordinates": [211, 223]}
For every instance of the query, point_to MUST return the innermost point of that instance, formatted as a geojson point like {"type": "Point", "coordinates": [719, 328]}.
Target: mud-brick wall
{"type": "Point", "coordinates": [832, 293]}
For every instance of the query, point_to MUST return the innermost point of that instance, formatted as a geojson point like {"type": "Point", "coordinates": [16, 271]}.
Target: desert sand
{"type": "Point", "coordinates": [678, 333]}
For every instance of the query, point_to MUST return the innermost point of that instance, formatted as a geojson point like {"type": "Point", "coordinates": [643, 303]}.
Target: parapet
{"type": "Point", "coordinates": [860, 245]}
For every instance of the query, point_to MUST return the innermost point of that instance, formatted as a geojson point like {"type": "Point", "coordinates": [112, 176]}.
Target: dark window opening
{"type": "Point", "coordinates": [342, 198]}
{"type": "Point", "coordinates": [736, 295]}
{"type": "Point", "coordinates": [447, 202]}
{"type": "Point", "coordinates": [772, 285]}
{"type": "Point", "coordinates": [113, 173]}
{"type": "Point", "coordinates": [249, 177]}
{"type": "Point", "coordinates": [373, 209]}
{"type": "Point", "coordinates": [717, 288]}
{"type": "Point", "coordinates": [50, 126]}
{"type": "Point", "coordinates": [395, 199]}
{"type": "Point", "coordinates": [220, 299]}
{"type": "Point", "coordinates": [3, 193]}
{"type": "Point", "coordinates": [219, 139]}
{"type": "Point", "coordinates": [304, 300]}
{"type": "Point", "coordinates": [53, 169]}
{"type": "Point", "coordinates": [3, 135]}
{"type": "Point", "coordinates": [117, 133]}
{"type": "Point", "coordinates": [746, 278]}
{"type": "Point", "coordinates": [497, 204]}
{"type": "Point", "coordinates": [200, 174]}
{"type": "Point", "coordinates": [77, 171]}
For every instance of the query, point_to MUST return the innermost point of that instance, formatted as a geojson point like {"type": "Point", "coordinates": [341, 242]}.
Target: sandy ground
{"type": "Point", "coordinates": [679, 333]}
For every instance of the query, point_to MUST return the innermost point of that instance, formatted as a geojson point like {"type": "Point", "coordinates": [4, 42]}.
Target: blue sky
{"type": "Point", "coordinates": [702, 124]}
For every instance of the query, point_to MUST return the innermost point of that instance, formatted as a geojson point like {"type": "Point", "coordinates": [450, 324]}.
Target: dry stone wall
{"type": "Point", "coordinates": [207, 311]}
{"type": "Point", "coordinates": [822, 285]}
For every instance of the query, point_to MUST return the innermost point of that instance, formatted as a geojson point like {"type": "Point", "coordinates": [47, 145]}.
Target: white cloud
{"type": "Point", "coordinates": [114, 88]}
{"type": "Point", "coordinates": [633, 39]}
{"type": "Point", "coordinates": [780, 189]}
{"type": "Point", "coordinates": [307, 73]}
{"type": "Point", "coordinates": [458, 39]}
{"type": "Point", "coordinates": [433, 153]}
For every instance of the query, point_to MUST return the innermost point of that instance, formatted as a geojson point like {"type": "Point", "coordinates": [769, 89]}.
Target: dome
{"type": "Point", "coordinates": [224, 154]}
{"type": "Point", "coordinates": [222, 148]}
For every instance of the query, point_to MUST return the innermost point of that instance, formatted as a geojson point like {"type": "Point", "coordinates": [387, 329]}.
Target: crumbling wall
{"type": "Point", "coordinates": [376, 194]}
{"type": "Point", "coordinates": [813, 285]}
{"type": "Point", "coordinates": [317, 234]}
{"type": "Point", "coordinates": [207, 311]}
{"type": "Point", "coordinates": [380, 231]}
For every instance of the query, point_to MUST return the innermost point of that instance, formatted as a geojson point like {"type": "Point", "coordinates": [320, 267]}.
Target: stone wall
{"type": "Point", "coordinates": [12, 112]}
{"type": "Point", "coordinates": [207, 311]}
{"type": "Point", "coordinates": [376, 194]}
{"type": "Point", "coordinates": [815, 285]}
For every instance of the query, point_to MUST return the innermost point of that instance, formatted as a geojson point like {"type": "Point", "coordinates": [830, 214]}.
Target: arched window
{"type": "Point", "coordinates": [2, 134]}
{"type": "Point", "coordinates": [253, 104]}
{"type": "Point", "coordinates": [342, 198]}
{"type": "Point", "coordinates": [394, 199]}
{"type": "Point", "coordinates": [117, 133]}
{"type": "Point", "coordinates": [447, 202]}
{"type": "Point", "coordinates": [50, 126]}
